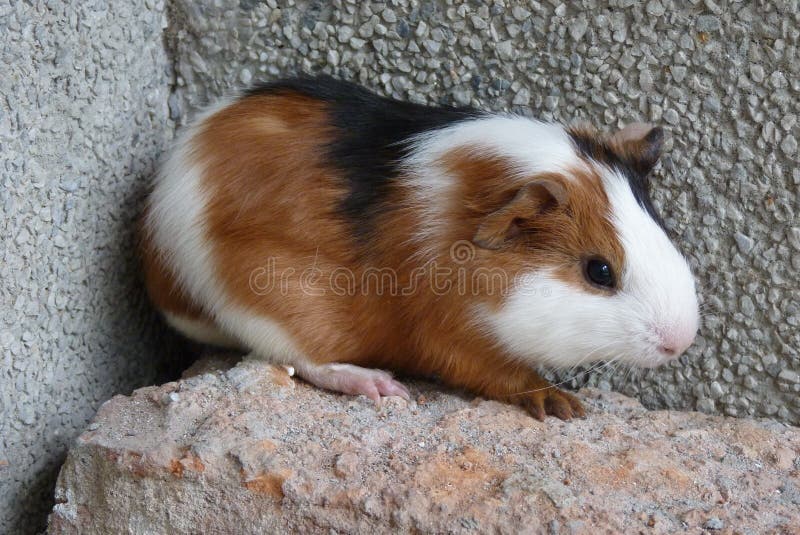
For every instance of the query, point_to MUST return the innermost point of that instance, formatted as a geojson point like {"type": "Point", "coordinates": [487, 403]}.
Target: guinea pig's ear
{"type": "Point", "coordinates": [639, 144]}
{"type": "Point", "coordinates": [533, 199]}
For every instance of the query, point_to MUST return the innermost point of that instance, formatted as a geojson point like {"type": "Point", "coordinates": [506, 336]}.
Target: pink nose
{"type": "Point", "coordinates": [675, 341]}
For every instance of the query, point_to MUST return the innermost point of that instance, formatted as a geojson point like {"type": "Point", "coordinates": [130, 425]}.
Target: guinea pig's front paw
{"type": "Point", "coordinates": [550, 400]}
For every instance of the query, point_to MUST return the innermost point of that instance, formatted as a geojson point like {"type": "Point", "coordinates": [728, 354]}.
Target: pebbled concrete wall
{"type": "Point", "coordinates": [83, 114]}
{"type": "Point", "coordinates": [722, 77]}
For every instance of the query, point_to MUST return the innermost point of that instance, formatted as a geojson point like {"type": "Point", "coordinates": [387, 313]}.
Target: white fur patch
{"type": "Point", "coordinates": [176, 222]}
{"type": "Point", "coordinates": [264, 336]}
{"type": "Point", "coordinates": [534, 146]}
{"type": "Point", "coordinates": [546, 321]}
{"type": "Point", "coordinates": [656, 278]}
{"type": "Point", "coordinates": [176, 212]}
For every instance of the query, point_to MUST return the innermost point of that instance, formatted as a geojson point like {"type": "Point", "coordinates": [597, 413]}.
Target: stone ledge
{"type": "Point", "coordinates": [249, 449]}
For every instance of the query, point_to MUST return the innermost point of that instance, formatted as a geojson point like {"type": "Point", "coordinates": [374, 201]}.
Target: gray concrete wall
{"type": "Point", "coordinates": [85, 108]}
{"type": "Point", "coordinates": [83, 115]}
{"type": "Point", "coordinates": [722, 77]}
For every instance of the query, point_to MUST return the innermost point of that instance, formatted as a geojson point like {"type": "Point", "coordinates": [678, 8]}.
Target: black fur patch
{"type": "Point", "coordinates": [636, 172]}
{"type": "Point", "coordinates": [373, 136]}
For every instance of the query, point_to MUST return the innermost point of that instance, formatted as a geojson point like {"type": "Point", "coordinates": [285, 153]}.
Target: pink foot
{"type": "Point", "coordinates": [353, 380]}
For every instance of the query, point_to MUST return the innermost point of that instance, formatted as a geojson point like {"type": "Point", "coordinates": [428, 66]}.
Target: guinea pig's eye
{"type": "Point", "coordinates": [598, 272]}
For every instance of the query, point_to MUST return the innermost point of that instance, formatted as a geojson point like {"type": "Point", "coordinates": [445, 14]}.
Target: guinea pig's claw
{"type": "Point", "coordinates": [390, 387]}
{"type": "Point", "coordinates": [535, 407]}
{"type": "Point", "coordinates": [554, 402]}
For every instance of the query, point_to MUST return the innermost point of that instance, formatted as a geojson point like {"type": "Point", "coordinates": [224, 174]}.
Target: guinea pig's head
{"type": "Point", "coordinates": [595, 275]}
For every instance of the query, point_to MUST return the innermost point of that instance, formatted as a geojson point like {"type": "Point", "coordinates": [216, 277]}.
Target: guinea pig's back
{"type": "Point", "coordinates": [245, 188]}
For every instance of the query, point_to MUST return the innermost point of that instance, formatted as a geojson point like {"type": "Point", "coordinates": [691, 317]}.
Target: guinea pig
{"type": "Point", "coordinates": [340, 233]}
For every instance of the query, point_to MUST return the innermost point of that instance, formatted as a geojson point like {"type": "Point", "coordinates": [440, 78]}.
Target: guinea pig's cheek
{"type": "Point", "coordinates": [546, 321]}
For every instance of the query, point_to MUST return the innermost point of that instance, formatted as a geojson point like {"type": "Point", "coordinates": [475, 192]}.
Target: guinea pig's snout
{"type": "Point", "coordinates": [675, 340]}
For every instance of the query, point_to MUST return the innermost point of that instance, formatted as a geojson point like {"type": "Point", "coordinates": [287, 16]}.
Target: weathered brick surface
{"type": "Point", "coordinates": [249, 449]}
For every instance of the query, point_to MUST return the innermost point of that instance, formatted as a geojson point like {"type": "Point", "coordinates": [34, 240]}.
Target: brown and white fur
{"type": "Point", "coordinates": [325, 228]}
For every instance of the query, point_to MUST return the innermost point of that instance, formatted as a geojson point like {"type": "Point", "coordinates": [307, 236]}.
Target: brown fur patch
{"type": "Point", "coordinates": [590, 231]}
{"type": "Point", "coordinates": [273, 217]}
{"type": "Point", "coordinates": [560, 239]}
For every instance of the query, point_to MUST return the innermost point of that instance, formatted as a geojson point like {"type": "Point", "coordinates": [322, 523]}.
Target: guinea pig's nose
{"type": "Point", "coordinates": [677, 340]}
{"type": "Point", "coordinates": [668, 351]}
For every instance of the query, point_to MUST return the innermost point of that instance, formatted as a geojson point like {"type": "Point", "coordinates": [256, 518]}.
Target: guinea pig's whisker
{"type": "Point", "coordinates": [627, 374]}
{"type": "Point", "coordinates": [620, 369]}
{"type": "Point", "coordinates": [607, 368]}
{"type": "Point", "coordinates": [573, 373]}
{"type": "Point", "coordinates": [597, 350]}
{"type": "Point", "coordinates": [593, 368]}
{"type": "Point", "coordinates": [586, 357]}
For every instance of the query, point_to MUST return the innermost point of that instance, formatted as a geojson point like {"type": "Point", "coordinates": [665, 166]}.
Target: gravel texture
{"type": "Point", "coordinates": [83, 114]}
{"type": "Point", "coordinates": [721, 77]}
{"type": "Point", "coordinates": [251, 450]}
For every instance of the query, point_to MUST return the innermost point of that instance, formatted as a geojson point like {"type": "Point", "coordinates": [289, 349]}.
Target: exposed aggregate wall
{"type": "Point", "coordinates": [83, 115]}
